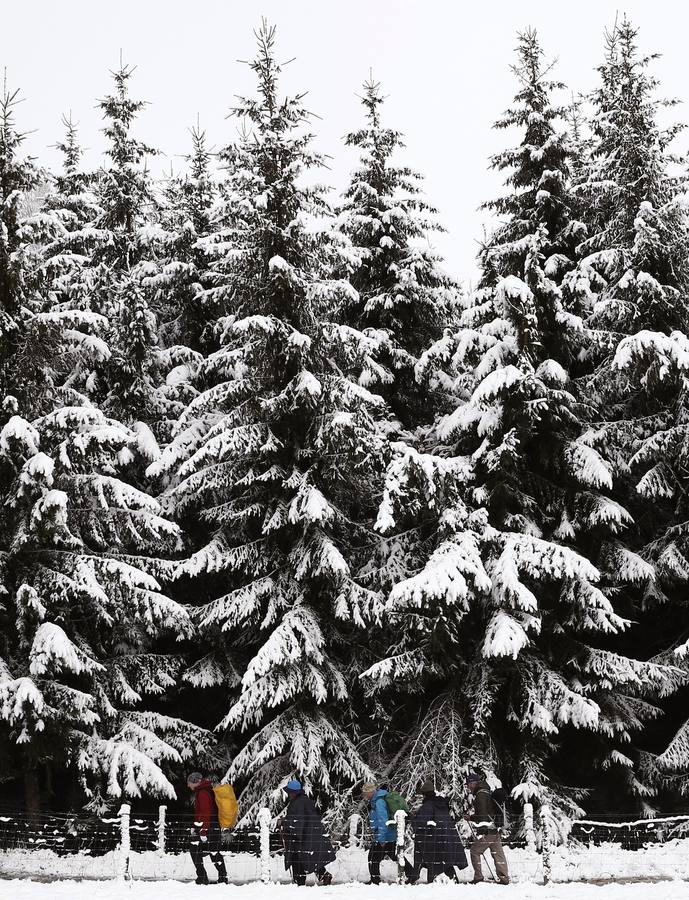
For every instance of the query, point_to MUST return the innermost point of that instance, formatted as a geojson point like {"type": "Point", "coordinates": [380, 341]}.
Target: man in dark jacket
{"type": "Point", "coordinates": [307, 847]}
{"type": "Point", "coordinates": [487, 834]}
{"type": "Point", "coordinates": [437, 844]}
{"type": "Point", "coordinates": [206, 836]}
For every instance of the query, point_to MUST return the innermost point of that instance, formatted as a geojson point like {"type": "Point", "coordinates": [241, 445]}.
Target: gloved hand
{"type": "Point", "coordinates": [204, 839]}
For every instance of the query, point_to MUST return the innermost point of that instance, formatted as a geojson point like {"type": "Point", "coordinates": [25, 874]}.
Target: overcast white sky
{"type": "Point", "coordinates": [443, 63]}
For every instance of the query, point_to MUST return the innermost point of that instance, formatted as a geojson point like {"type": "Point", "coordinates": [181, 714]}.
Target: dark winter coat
{"type": "Point", "coordinates": [436, 840]}
{"type": "Point", "coordinates": [307, 846]}
{"type": "Point", "coordinates": [483, 818]}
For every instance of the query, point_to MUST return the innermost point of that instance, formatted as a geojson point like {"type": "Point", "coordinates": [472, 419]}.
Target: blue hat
{"type": "Point", "coordinates": [472, 776]}
{"type": "Point", "coordinates": [292, 785]}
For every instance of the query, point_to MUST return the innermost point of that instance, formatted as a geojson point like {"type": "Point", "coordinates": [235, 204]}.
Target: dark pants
{"type": "Point", "coordinates": [299, 875]}
{"type": "Point", "coordinates": [433, 870]}
{"type": "Point", "coordinates": [378, 853]}
{"type": "Point", "coordinates": [199, 849]}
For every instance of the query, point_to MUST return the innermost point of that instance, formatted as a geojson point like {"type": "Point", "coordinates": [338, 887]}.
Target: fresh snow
{"type": "Point", "coordinates": [170, 890]}
{"type": "Point", "coordinates": [570, 866]}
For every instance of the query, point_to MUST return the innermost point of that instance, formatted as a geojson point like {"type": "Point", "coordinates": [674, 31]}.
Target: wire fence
{"type": "Point", "coordinates": [126, 845]}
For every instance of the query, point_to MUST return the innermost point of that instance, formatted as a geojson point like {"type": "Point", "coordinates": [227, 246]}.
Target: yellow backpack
{"type": "Point", "coordinates": [226, 802]}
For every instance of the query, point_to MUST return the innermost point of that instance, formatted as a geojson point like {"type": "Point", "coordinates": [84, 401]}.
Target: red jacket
{"type": "Point", "coordinates": [205, 809]}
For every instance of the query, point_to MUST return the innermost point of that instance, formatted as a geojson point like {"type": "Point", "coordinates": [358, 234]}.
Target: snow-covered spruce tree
{"type": "Point", "coordinates": [89, 641]}
{"type": "Point", "coordinates": [83, 668]}
{"type": "Point", "coordinates": [504, 633]}
{"type": "Point", "coordinates": [656, 367]}
{"type": "Point", "coordinates": [18, 371]}
{"type": "Point", "coordinates": [188, 206]}
{"type": "Point", "coordinates": [633, 202]}
{"type": "Point", "coordinates": [537, 233]}
{"type": "Point", "coordinates": [62, 231]}
{"type": "Point", "coordinates": [129, 386]}
{"type": "Point", "coordinates": [18, 177]}
{"type": "Point", "coordinates": [401, 288]}
{"type": "Point", "coordinates": [640, 318]}
{"type": "Point", "coordinates": [278, 458]}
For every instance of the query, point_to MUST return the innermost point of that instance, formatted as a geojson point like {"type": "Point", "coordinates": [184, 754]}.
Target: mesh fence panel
{"type": "Point", "coordinates": [55, 845]}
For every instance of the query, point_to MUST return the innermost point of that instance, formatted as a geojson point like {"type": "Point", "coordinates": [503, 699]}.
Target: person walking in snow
{"type": "Point", "coordinates": [437, 844]}
{"type": "Point", "coordinates": [383, 834]}
{"type": "Point", "coordinates": [206, 836]}
{"type": "Point", "coordinates": [486, 832]}
{"type": "Point", "coordinates": [307, 846]}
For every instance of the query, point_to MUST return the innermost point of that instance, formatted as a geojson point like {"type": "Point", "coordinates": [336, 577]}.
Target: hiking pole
{"type": "Point", "coordinates": [484, 855]}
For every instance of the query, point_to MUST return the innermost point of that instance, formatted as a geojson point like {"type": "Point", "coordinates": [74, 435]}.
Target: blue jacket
{"type": "Point", "coordinates": [378, 817]}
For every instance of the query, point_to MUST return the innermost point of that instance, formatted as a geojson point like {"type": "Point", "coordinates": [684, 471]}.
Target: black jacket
{"type": "Point", "coordinates": [483, 818]}
{"type": "Point", "coordinates": [436, 840]}
{"type": "Point", "coordinates": [306, 844]}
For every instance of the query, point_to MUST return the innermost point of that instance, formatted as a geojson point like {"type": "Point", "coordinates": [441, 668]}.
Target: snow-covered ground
{"type": "Point", "coordinates": [169, 890]}
{"type": "Point", "coordinates": [573, 863]}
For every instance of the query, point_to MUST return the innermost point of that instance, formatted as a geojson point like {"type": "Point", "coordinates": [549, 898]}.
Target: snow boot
{"type": "Point", "coordinates": [202, 879]}
{"type": "Point", "coordinates": [325, 879]}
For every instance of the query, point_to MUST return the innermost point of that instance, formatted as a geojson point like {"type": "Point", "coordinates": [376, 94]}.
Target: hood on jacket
{"type": "Point", "coordinates": [381, 792]}
{"type": "Point", "coordinates": [205, 784]}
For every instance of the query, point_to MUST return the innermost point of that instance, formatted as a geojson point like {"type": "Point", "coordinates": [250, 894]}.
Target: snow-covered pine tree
{"type": "Point", "coordinates": [655, 367]}
{"type": "Point", "coordinates": [130, 383]}
{"type": "Point", "coordinates": [18, 177]}
{"type": "Point", "coordinates": [278, 458]}
{"type": "Point", "coordinates": [89, 640]}
{"type": "Point", "coordinates": [503, 632]}
{"type": "Point", "coordinates": [188, 208]}
{"type": "Point", "coordinates": [640, 318]}
{"type": "Point", "coordinates": [18, 371]}
{"type": "Point", "coordinates": [89, 637]}
{"type": "Point", "coordinates": [632, 199]}
{"type": "Point", "coordinates": [401, 287]}
{"type": "Point", "coordinates": [62, 229]}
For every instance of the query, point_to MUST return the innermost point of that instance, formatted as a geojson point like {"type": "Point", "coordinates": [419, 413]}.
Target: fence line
{"type": "Point", "coordinates": [126, 845]}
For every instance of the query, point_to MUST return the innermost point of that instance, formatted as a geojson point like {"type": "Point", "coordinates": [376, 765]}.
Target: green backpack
{"type": "Point", "coordinates": [395, 801]}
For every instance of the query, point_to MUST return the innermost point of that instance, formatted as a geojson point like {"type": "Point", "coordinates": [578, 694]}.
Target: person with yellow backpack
{"type": "Point", "coordinates": [215, 807]}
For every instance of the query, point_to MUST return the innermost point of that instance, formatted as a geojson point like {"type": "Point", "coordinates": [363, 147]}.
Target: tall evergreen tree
{"type": "Point", "coordinates": [85, 661]}
{"type": "Point", "coordinates": [63, 227]}
{"type": "Point", "coordinates": [639, 318]}
{"type": "Point", "coordinates": [401, 289]}
{"type": "Point", "coordinates": [89, 638]}
{"type": "Point", "coordinates": [18, 177]}
{"type": "Point", "coordinates": [508, 623]}
{"type": "Point", "coordinates": [18, 371]}
{"type": "Point", "coordinates": [187, 217]}
{"type": "Point", "coordinates": [129, 383]}
{"type": "Point", "coordinates": [277, 457]}
{"type": "Point", "coordinates": [633, 203]}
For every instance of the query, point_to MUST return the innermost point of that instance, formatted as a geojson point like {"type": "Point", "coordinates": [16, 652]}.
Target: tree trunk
{"type": "Point", "coordinates": [32, 795]}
